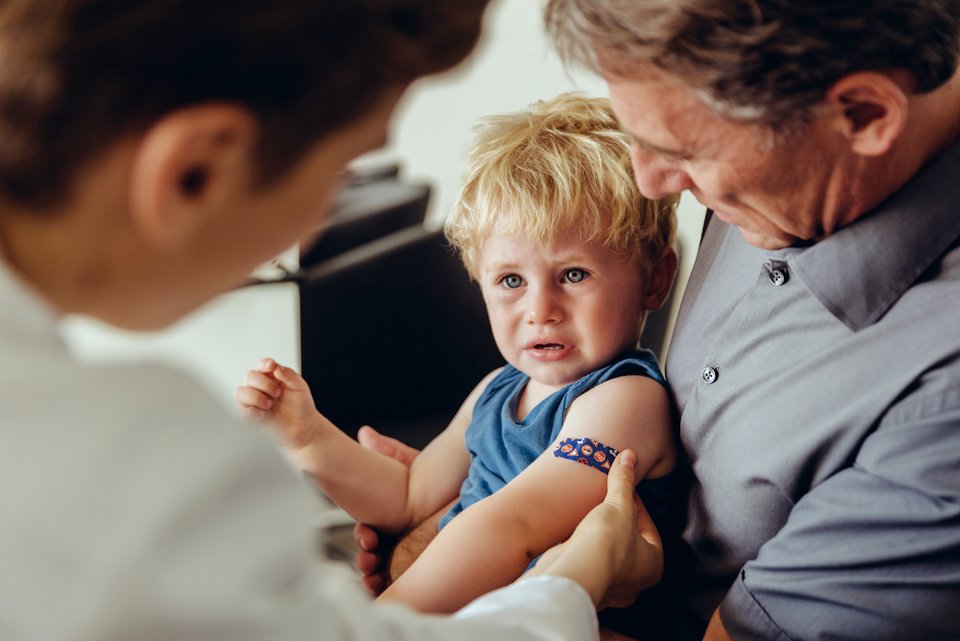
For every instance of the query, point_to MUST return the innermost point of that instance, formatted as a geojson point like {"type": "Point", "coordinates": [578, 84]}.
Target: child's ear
{"type": "Point", "coordinates": [187, 167]}
{"type": "Point", "coordinates": [660, 279]}
{"type": "Point", "coordinates": [870, 111]}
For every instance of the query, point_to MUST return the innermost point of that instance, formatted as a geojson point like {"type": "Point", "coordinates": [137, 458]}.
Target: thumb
{"type": "Point", "coordinates": [622, 494]}
{"type": "Point", "coordinates": [289, 378]}
{"type": "Point", "coordinates": [388, 446]}
{"type": "Point", "coordinates": [622, 480]}
{"type": "Point", "coordinates": [372, 439]}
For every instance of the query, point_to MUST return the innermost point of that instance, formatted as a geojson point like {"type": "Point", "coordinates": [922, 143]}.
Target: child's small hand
{"type": "Point", "coordinates": [281, 397]}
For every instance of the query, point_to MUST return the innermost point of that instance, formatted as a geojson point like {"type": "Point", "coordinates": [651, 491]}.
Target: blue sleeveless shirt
{"type": "Point", "coordinates": [501, 447]}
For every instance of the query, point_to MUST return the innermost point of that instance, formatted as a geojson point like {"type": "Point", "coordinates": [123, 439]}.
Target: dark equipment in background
{"type": "Point", "coordinates": [393, 332]}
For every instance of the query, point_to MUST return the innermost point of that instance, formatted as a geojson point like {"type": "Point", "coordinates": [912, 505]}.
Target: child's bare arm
{"type": "Point", "coordinates": [371, 487]}
{"type": "Point", "coordinates": [493, 541]}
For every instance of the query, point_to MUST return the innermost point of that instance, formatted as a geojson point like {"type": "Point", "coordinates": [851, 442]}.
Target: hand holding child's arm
{"type": "Point", "coordinates": [378, 553]}
{"type": "Point", "coordinates": [616, 551]}
{"type": "Point", "coordinates": [492, 541]}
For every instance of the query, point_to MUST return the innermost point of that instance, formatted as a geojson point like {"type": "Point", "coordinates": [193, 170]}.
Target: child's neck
{"type": "Point", "coordinates": [531, 396]}
{"type": "Point", "coordinates": [535, 391]}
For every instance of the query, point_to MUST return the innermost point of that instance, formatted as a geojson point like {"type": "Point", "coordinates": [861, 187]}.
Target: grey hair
{"type": "Point", "coordinates": [763, 61]}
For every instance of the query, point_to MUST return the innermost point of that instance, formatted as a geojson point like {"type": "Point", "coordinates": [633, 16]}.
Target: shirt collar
{"type": "Point", "coordinates": [859, 272]}
{"type": "Point", "coordinates": [23, 313]}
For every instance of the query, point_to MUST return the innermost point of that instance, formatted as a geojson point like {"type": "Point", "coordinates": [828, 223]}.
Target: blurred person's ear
{"type": "Point", "coordinates": [188, 167]}
{"type": "Point", "coordinates": [660, 279]}
{"type": "Point", "coordinates": [870, 110]}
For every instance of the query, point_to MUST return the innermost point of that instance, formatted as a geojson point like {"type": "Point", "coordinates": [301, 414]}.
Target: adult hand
{"type": "Point", "coordinates": [374, 440]}
{"type": "Point", "coordinates": [375, 547]}
{"type": "Point", "coordinates": [616, 550]}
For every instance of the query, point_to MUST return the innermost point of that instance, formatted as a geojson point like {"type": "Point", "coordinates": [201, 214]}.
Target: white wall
{"type": "Point", "coordinates": [512, 67]}
{"type": "Point", "coordinates": [218, 343]}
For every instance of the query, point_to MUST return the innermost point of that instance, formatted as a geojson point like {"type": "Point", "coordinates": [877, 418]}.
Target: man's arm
{"type": "Point", "coordinates": [377, 551]}
{"type": "Point", "coordinates": [411, 545]}
{"type": "Point", "coordinates": [494, 540]}
{"type": "Point", "coordinates": [873, 551]}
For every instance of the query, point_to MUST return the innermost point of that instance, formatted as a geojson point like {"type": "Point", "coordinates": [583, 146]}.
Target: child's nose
{"type": "Point", "coordinates": [543, 307]}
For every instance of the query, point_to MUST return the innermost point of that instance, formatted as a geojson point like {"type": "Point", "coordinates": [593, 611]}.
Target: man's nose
{"type": "Point", "coordinates": [657, 177]}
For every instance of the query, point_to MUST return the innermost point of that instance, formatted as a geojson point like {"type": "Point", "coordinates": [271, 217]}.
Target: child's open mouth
{"type": "Point", "coordinates": [548, 350]}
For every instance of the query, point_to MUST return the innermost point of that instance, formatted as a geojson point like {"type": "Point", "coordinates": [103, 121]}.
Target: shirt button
{"type": "Point", "coordinates": [709, 375]}
{"type": "Point", "coordinates": [778, 276]}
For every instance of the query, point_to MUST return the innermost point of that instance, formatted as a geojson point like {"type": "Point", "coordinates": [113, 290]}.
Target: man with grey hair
{"type": "Point", "coordinates": [816, 360]}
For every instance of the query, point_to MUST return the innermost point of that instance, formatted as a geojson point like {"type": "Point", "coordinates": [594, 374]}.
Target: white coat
{"type": "Point", "coordinates": [134, 508]}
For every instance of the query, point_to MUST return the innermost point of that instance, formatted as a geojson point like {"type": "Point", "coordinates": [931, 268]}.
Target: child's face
{"type": "Point", "coordinates": [562, 309]}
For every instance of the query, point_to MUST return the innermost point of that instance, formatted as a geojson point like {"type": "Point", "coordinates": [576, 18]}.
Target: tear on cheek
{"type": "Point", "coordinates": [587, 451]}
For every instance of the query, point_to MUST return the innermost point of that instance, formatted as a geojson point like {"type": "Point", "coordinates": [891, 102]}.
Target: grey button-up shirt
{"type": "Point", "coordinates": [825, 439]}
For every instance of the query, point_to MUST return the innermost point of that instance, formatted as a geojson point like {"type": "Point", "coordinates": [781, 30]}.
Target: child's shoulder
{"type": "Point", "coordinates": [625, 392]}
{"type": "Point", "coordinates": [489, 385]}
{"type": "Point", "coordinates": [630, 386]}
{"type": "Point", "coordinates": [639, 363]}
{"type": "Point", "coordinates": [627, 411]}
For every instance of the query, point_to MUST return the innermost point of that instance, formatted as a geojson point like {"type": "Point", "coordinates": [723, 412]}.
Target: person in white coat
{"type": "Point", "coordinates": [151, 154]}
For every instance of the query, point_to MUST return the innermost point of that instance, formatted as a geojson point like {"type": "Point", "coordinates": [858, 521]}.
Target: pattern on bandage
{"type": "Point", "coordinates": [588, 452]}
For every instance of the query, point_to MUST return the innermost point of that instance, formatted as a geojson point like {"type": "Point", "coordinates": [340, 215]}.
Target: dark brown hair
{"type": "Point", "coordinates": [768, 61]}
{"type": "Point", "coordinates": [75, 75]}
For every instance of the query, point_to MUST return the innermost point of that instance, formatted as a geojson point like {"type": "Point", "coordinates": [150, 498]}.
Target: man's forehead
{"type": "Point", "coordinates": [665, 116]}
{"type": "Point", "coordinates": [653, 110]}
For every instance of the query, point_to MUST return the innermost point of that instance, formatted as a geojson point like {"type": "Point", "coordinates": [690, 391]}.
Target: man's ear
{"type": "Point", "coordinates": [660, 280]}
{"type": "Point", "coordinates": [871, 110]}
{"type": "Point", "coordinates": [186, 167]}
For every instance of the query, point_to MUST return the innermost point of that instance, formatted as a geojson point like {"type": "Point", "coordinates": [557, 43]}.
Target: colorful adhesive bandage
{"type": "Point", "coordinates": [588, 452]}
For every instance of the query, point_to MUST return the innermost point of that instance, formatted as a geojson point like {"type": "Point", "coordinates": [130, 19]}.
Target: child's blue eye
{"type": "Point", "coordinates": [575, 275]}
{"type": "Point", "coordinates": [512, 281]}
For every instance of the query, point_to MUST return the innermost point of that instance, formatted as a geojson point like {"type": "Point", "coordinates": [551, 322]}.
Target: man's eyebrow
{"type": "Point", "coordinates": [646, 145]}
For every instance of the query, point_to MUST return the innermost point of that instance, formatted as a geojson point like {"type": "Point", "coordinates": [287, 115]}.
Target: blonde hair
{"type": "Point", "coordinates": [563, 164]}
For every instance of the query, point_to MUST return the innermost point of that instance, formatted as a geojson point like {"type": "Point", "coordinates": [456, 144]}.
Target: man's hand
{"type": "Point", "coordinates": [373, 559]}
{"type": "Point", "coordinates": [616, 550]}
{"type": "Point", "coordinates": [397, 450]}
